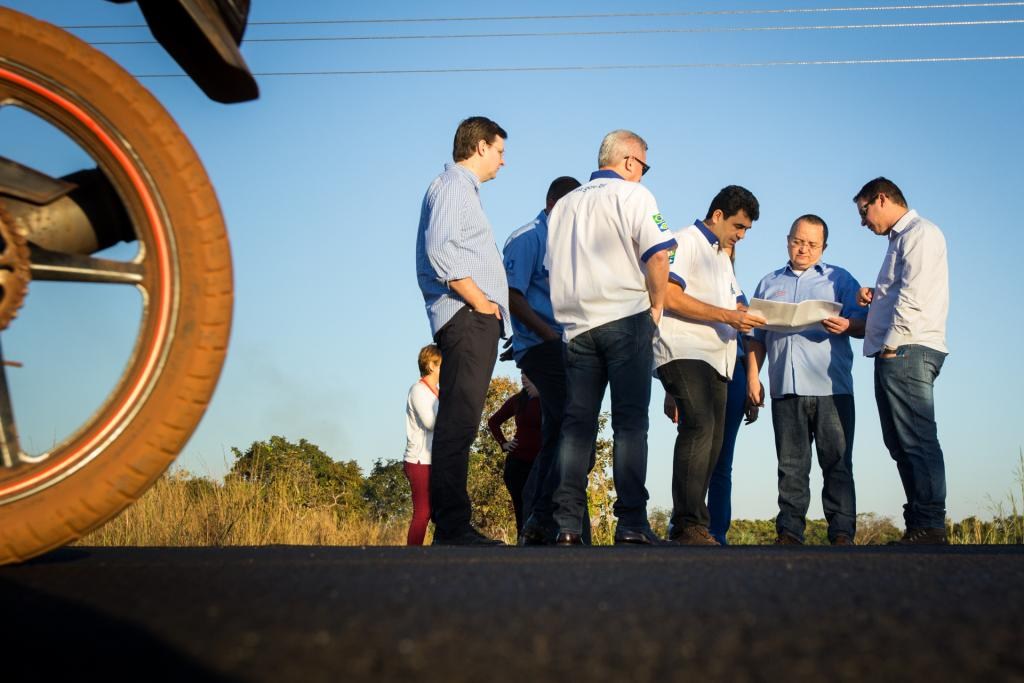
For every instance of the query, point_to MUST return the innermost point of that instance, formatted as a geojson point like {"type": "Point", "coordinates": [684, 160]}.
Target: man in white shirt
{"type": "Point", "coordinates": [906, 334]}
{"type": "Point", "coordinates": [695, 352]}
{"type": "Point", "coordinates": [607, 255]}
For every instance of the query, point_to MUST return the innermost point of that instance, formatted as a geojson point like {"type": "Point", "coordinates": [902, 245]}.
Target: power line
{"type": "Point", "coordinates": [622, 67]}
{"type": "Point", "coordinates": [615, 15]}
{"type": "Point", "coordinates": [731, 29]}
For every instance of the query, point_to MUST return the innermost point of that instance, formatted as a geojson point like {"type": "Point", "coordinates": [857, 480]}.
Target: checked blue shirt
{"type": "Point", "coordinates": [455, 241]}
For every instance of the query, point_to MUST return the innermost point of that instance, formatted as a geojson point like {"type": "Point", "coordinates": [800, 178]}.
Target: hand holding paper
{"type": "Point", "coordinates": [786, 317]}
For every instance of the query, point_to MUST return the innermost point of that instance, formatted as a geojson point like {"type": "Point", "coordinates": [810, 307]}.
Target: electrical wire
{"type": "Point", "coordinates": [615, 15]}
{"type": "Point", "coordinates": [562, 34]}
{"type": "Point", "coordinates": [620, 67]}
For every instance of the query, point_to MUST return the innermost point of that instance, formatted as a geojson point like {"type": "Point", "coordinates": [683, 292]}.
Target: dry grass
{"type": "Point", "coordinates": [182, 511]}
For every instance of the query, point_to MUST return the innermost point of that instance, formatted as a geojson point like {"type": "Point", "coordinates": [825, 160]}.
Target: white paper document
{"type": "Point", "coordinates": [784, 317]}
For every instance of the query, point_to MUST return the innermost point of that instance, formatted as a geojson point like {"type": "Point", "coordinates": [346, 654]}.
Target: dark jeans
{"type": "Point", "coordinates": [619, 354]}
{"type": "Point", "coordinates": [828, 421]}
{"type": "Point", "coordinates": [906, 406]}
{"type": "Point", "coordinates": [515, 476]}
{"type": "Point", "coordinates": [469, 347]}
{"type": "Point", "coordinates": [544, 364]}
{"type": "Point", "coordinates": [720, 488]}
{"type": "Point", "coordinates": [700, 394]}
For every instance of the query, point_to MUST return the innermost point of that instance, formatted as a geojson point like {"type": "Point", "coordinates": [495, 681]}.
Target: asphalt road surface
{"type": "Point", "coordinates": [575, 615]}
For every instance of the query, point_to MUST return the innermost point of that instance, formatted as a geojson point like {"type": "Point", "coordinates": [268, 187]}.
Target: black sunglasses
{"type": "Point", "coordinates": [646, 167]}
{"type": "Point", "coordinates": [863, 210]}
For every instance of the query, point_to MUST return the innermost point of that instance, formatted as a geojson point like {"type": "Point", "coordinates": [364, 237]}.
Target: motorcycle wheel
{"type": "Point", "coordinates": [182, 269]}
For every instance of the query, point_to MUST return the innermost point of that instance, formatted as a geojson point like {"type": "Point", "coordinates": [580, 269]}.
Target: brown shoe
{"type": "Point", "coordinates": [787, 539]}
{"type": "Point", "coordinates": [694, 534]}
{"type": "Point", "coordinates": [842, 539]}
{"type": "Point", "coordinates": [922, 536]}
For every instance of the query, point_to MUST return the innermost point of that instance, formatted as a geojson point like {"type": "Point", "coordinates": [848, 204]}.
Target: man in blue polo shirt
{"type": "Point", "coordinates": [811, 383]}
{"type": "Point", "coordinates": [539, 352]}
{"type": "Point", "coordinates": [466, 296]}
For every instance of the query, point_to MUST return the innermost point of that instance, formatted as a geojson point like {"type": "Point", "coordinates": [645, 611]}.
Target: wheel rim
{"type": "Point", "coordinates": [153, 272]}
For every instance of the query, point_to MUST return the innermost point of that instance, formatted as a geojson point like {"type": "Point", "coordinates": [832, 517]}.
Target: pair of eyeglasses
{"type": "Point", "coordinates": [645, 166]}
{"type": "Point", "coordinates": [864, 209]}
{"type": "Point", "coordinates": [800, 243]}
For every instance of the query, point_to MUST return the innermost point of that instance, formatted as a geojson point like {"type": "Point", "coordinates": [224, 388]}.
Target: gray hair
{"type": "Point", "coordinates": [617, 145]}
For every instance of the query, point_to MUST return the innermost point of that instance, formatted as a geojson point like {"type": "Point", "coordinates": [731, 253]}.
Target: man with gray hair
{"type": "Point", "coordinates": [608, 256]}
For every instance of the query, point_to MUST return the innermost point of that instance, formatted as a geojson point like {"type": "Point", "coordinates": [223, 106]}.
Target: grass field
{"type": "Point", "coordinates": [182, 510]}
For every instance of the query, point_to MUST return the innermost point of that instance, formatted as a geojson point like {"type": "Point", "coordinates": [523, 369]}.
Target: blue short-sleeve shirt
{"type": "Point", "coordinates": [810, 362]}
{"type": "Point", "coordinates": [524, 268]}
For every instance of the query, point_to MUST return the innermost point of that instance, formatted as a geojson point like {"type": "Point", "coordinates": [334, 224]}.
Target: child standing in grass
{"type": "Point", "coordinates": [420, 413]}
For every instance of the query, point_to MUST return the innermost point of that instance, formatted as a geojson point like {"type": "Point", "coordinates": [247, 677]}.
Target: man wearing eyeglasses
{"type": "Point", "coordinates": [465, 291]}
{"type": "Point", "coordinates": [906, 335]}
{"type": "Point", "coordinates": [811, 383]}
{"type": "Point", "coordinates": [608, 260]}
{"type": "Point", "coordinates": [695, 351]}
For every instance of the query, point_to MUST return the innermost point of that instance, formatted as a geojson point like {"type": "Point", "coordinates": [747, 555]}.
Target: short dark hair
{"type": "Point", "coordinates": [814, 220]}
{"type": "Point", "coordinates": [733, 199]}
{"type": "Point", "coordinates": [560, 187]}
{"type": "Point", "coordinates": [878, 186]}
{"type": "Point", "coordinates": [470, 132]}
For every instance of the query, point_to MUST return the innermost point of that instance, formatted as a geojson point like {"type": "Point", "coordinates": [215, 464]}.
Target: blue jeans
{"type": "Point", "coordinates": [619, 354]}
{"type": "Point", "coordinates": [828, 421]}
{"type": "Point", "coordinates": [906, 407]}
{"type": "Point", "coordinates": [720, 490]}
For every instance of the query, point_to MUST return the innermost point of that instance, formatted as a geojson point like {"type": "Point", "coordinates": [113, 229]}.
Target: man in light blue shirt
{"type": "Point", "coordinates": [465, 292]}
{"type": "Point", "coordinates": [811, 381]}
{"type": "Point", "coordinates": [906, 336]}
{"type": "Point", "coordinates": [540, 353]}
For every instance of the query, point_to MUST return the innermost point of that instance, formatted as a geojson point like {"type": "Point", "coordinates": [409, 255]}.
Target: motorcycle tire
{"type": "Point", "coordinates": [184, 267]}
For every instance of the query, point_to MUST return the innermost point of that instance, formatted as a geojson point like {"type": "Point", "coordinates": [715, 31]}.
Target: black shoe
{"type": "Point", "coordinates": [535, 533]}
{"type": "Point", "coordinates": [637, 537]}
{"type": "Point", "coordinates": [469, 536]}
{"type": "Point", "coordinates": [568, 538]}
{"type": "Point", "coordinates": [922, 536]}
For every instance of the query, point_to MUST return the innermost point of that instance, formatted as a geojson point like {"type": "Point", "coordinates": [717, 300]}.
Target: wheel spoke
{"type": "Point", "coordinates": [57, 266]}
{"type": "Point", "coordinates": [10, 449]}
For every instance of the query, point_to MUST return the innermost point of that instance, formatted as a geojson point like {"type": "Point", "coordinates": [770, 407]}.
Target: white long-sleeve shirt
{"type": "Point", "coordinates": [911, 299]}
{"type": "Point", "coordinates": [420, 414]}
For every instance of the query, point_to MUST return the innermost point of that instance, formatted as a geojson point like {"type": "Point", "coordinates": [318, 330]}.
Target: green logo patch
{"type": "Point", "coordinates": [660, 222]}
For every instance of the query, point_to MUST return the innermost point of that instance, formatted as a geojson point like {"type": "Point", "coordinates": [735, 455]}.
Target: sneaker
{"type": "Point", "coordinates": [694, 534]}
{"type": "Point", "coordinates": [785, 538]}
{"type": "Point", "coordinates": [922, 536]}
{"type": "Point", "coordinates": [842, 539]}
{"type": "Point", "coordinates": [469, 536]}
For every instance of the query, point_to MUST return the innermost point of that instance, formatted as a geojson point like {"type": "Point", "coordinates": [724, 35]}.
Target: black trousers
{"type": "Point", "coordinates": [700, 394]}
{"type": "Point", "coordinates": [544, 364]}
{"type": "Point", "coordinates": [515, 475]}
{"type": "Point", "coordinates": [469, 348]}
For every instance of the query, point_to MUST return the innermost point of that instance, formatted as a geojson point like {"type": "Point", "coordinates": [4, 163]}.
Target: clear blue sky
{"type": "Point", "coordinates": [321, 182]}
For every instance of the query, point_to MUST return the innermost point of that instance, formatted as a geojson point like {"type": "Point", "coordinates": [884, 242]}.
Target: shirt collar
{"type": "Point", "coordinates": [902, 224]}
{"type": "Point", "coordinates": [605, 173]}
{"type": "Point", "coordinates": [711, 237]}
{"type": "Point", "coordinates": [465, 172]}
{"type": "Point", "coordinates": [542, 218]}
{"type": "Point", "coordinates": [819, 266]}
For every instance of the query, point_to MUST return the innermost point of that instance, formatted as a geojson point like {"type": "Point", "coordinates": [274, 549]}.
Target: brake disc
{"type": "Point", "coordinates": [14, 267]}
